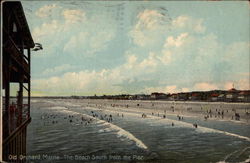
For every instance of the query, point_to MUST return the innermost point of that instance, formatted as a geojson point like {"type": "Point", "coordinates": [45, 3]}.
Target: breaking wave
{"type": "Point", "coordinates": [111, 127]}
{"type": "Point", "coordinates": [183, 124]}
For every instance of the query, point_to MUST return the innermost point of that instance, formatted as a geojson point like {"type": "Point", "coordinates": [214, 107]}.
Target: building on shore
{"type": "Point", "coordinates": [231, 95]}
{"type": "Point", "coordinates": [244, 96]}
{"type": "Point", "coordinates": [196, 96]}
{"type": "Point", "coordinates": [158, 96]}
{"type": "Point", "coordinates": [16, 50]}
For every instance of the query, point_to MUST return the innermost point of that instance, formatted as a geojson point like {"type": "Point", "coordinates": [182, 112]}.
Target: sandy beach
{"type": "Point", "coordinates": [212, 110]}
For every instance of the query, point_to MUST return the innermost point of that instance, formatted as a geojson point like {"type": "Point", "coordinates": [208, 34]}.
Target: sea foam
{"type": "Point", "coordinates": [111, 127]}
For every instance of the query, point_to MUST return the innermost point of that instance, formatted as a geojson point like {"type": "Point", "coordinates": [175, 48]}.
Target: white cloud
{"type": "Point", "coordinates": [77, 35]}
{"type": "Point", "coordinates": [185, 54]}
{"type": "Point", "coordinates": [148, 19]}
{"type": "Point", "coordinates": [162, 89]}
{"type": "Point", "coordinates": [56, 69]}
{"type": "Point", "coordinates": [149, 27]}
{"type": "Point", "coordinates": [166, 57]}
{"type": "Point", "coordinates": [46, 10]}
{"type": "Point", "coordinates": [98, 82]}
{"type": "Point", "coordinates": [149, 62]}
{"type": "Point", "coordinates": [170, 41]}
{"type": "Point", "coordinates": [180, 21]}
{"type": "Point", "coordinates": [88, 43]}
{"type": "Point", "coordinates": [73, 15]}
{"type": "Point", "coordinates": [188, 23]}
{"type": "Point", "coordinates": [243, 84]}
{"type": "Point", "coordinates": [74, 41]}
{"type": "Point", "coordinates": [205, 86]}
{"type": "Point", "coordinates": [83, 82]}
{"type": "Point", "coordinates": [46, 30]}
{"type": "Point", "coordinates": [228, 85]}
{"type": "Point", "coordinates": [171, 89]}
{"type": "Point", "coordinates": [131, 61]}
{"type": "Point", "coordinates": [185, 90]}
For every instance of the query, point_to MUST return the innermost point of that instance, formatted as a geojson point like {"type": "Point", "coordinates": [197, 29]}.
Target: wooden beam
{"type": "Point", "coordinates": [27, 89]}
{"type": "Point", "coordinates": [13, 134]}
{"type": "Point", "coordinates": [29, 82]}
{"type": "Point", "coordinates": [20, 100]}
{"type": "Point", "coordinates": [7, 97]}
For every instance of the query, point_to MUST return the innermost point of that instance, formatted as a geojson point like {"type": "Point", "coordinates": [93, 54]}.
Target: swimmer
{"type": "Point", "coordinates": [195, 125]}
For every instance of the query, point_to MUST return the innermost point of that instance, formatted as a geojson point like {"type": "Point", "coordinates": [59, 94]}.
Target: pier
{"type": "Point", "coordinates": [16, 50]}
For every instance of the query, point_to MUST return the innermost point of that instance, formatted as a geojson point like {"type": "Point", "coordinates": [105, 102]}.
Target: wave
{"type": "Point", "coordinates": [208, 130]}
{"type": "Point", "coordinates": [111, 127]}
{"type": "Point", "coordinates": [232, 155]}
{"type": "Point", "coordinates": [180, 123]}
{"type": "Point", "coordinates": [246, 161]}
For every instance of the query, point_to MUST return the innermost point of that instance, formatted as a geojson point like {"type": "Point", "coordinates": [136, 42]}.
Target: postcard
{"type": "Point", "coordinates": [125, 81]}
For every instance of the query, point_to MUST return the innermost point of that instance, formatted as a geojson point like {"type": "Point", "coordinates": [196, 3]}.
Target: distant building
{"type": "Point", "coordinates": [157, 96]}
{"type": "Point", "coordinates": [195, 96]}
{"type": "Point", "coordinates": [214, 97]}
{"type": "Point", "coordinates": [182, 96]}
{"type": "Point", "coordinates": [172, 97]}
{"type": "Point", "coordinates": [244, 96]}
{"type": "Point", "coordinates": [221, 97]}
{"type": "Point", "coordinates": [141, 97]}
{"type": "Point", "coordinates": [232, 95]}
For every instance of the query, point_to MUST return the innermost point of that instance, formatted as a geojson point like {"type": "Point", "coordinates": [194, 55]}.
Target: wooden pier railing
{"type": "Point", "coordinates": [14, 146]}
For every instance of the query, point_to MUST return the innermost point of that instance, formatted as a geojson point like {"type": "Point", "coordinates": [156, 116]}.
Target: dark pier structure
{"type": "Point", "coordinates": [16, 46]}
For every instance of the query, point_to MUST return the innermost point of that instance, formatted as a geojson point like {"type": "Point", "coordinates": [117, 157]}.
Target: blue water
{"type": "Point", "coordinates": [130, 138]}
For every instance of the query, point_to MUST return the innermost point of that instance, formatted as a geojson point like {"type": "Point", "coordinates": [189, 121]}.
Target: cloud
{"type": "Point", "coordinates": [170, 41]}
{"type": "Point", "coordinates": [205, 86]}
{"type": "Point", "coordinates": [149, 62]}
{"type": "Point", "coordinates": [88, 42]}
{"type": "Point", "coordinates": [131, 61]}
{"type": "Point", "coordinates": [46, 30]}
{"type": "Point", "coordinates": [56, 70]}
{"type": "Point", "coordinates": [149, 27]}
{"type": "Point", "coordinates": [73, 15]}
{"type": "Point", "coordinates": [152, 26]}
{"type": "Point", "coordinates": [149, 20]}
{"type": "Point", "coordinates": [171, 89]}
{"type": "Point", "coordinates": [228, 85]}
{"type": "Point", "coordinates": [164, 55]}
{"type": "Point", "coordinates": [241, 84]}
{"type": "Point", "coordinates": [78, 83]}
{"type": "Point", "coordinates": [75, 34]}
{"type": "Point", "coordinates": [162, 89]}
{"type": "Point", "coordinates": [188, 23]}
{"type": "Point", "coordinates": [94, 82]}
{"type": "Point", "coordinates": [185, 90]}
{"type": "Point", "coordinates": [45, 11]}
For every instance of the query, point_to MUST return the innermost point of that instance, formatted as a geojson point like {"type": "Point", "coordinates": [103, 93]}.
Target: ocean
{"type": "Point", "coordinates": [74, 131]}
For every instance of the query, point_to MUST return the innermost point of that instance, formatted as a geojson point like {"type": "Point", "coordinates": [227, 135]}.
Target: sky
{"type": "Point", "coordinates": [135, 47]}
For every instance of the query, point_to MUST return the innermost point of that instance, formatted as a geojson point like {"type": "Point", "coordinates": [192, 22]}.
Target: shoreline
{"type": "Point", "coordinates": [182, 108]}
